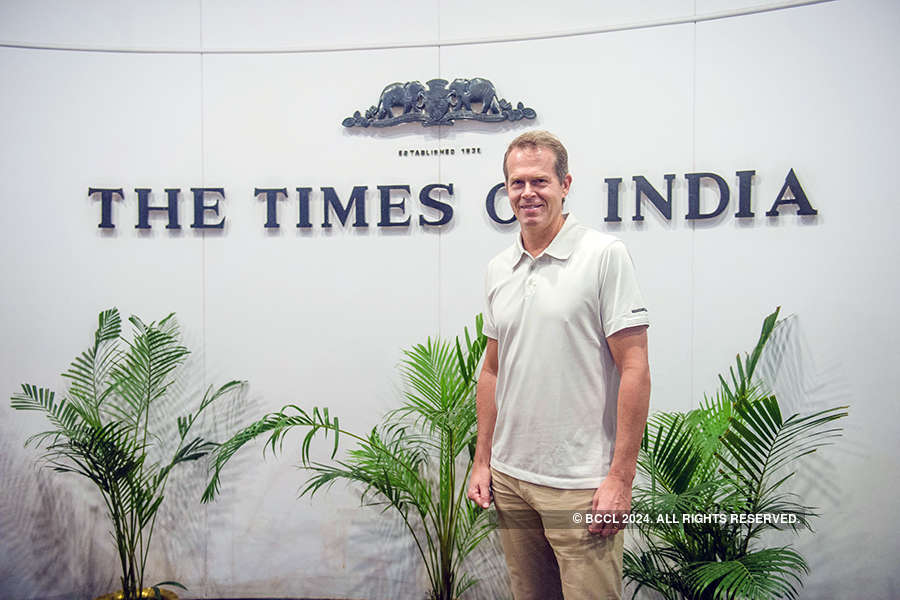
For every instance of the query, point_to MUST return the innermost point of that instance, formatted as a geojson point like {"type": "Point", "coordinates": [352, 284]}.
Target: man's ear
{"type": "Point", "coordinates": [566, 184]}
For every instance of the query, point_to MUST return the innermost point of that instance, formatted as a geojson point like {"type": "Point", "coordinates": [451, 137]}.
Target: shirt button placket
{"type": "Point", "coordinates": [531, 282]}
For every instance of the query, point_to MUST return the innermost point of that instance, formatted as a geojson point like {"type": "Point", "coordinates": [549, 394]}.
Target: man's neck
{"type": "Point", "coordinates": [536, 241]}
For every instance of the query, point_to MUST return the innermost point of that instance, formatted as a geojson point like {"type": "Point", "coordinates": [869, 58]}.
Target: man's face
{"type": "Point", "coordinates": [535, 192]}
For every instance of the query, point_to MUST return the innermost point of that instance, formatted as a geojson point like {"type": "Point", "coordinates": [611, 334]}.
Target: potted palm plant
{"type": "Point", "coordinates": [416, 462]}
{"type": "Point", "coordinates": [105, 428]}
{"type": "Point", "coordinates": [733, 456]}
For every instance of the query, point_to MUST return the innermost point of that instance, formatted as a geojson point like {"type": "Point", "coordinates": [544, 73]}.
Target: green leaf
{"type": "Point", "coordinates": [105, 428]}
{"type": "Point", "coordinates": [767, 574]}
{"type": "Point", "coordinates": [171, 583]}
{"type": "Point", "coordinates": [734, 454]}
{"type": "Point", "coordinates": [411, 463]}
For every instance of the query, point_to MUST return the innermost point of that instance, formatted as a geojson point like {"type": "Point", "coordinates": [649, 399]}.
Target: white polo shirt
{"type": "Point", "coordinates": [557, 383]}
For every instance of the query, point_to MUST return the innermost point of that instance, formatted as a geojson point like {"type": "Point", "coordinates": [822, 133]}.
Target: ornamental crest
{"type": "Point", "coordinates": [439, 103]}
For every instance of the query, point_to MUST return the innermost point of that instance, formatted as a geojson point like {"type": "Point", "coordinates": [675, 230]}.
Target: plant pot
{"type": "Point", "coordinates": [145, 593]}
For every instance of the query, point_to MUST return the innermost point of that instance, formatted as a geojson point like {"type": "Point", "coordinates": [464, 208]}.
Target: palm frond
{"type": "Point", "coordinates": [65, 417]}
{"type": "Point", "coordinates": [276, 425]}
{"type": "Point", "coordinates": [142, 375]}
{"type": "Point", "coordinates": [653, 569]}
{"type": "Point", "coordinates": [391, 465]}
{"type": "Point", "coordinates": [474, 524]}
{"type": "Point", "coordinates": [668, 456]}
{"type": "Point", "coordinates": [89, 373]}
{"type": "Point", "coordinates": [760, 442]}
{"type": "Point", "coordinates": [728, 456]}
{"type": "Point", "coordinates": [742, 381]}
{"type": "Point", "coordinates": [767, 573]}
{"type": "Point", "coordinates": [409, 462]}
{"type": "Point", "coordinates": [101, 428]}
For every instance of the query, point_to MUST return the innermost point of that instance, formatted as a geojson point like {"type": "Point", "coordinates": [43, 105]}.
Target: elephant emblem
{"type": "Point", "coordinates": [438, 103]}
{"type": "Point", "coordinates": [463, 92]}
{"type": "Point", "coordinates": [409, 96]}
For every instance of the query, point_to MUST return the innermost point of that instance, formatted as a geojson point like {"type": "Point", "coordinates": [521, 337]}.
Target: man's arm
{"type": "Point", "coordinates": [480, 480]}
{"type": "Point", "coordinates": [629, 350]}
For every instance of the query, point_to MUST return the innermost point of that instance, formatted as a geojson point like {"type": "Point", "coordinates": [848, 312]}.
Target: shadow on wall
{"type": "Point", "coordinates": [787, 368]}
{"type": "Point", "coordinates": [54, 529]}
{"type": "Point", "coordinates": [184, 525]}
{"type": "Point", "coordinates": [489, 566]}
{"type": "Point", "coordinates": [384, 553]}
{"type": "Point", "coordinates": [53, 532]}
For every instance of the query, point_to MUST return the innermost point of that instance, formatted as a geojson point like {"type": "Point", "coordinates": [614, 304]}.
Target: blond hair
{"type": "Point", "coordinates": [541, 139]}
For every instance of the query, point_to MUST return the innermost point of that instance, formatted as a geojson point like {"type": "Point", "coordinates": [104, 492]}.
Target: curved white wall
{"type": "Point", "coordinates": [320, 317]}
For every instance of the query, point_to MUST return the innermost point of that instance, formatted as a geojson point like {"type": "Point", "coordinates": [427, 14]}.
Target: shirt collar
{"type": "Point", "coordinates": [561, 247]}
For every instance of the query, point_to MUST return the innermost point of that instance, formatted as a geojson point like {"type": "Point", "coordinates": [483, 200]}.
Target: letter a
{"type": "Point", "coordinates": [799, 197]}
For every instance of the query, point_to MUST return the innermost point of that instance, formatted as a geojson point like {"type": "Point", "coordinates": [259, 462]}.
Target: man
{"type": "Point", "coordinates": [564, 390]}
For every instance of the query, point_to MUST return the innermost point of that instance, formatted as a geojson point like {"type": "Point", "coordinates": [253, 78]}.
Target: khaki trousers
{"type": "Point", "coordinates": [565, 562]}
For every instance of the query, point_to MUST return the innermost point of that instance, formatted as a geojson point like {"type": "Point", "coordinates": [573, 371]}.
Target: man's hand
{"type": "Point", "coordinates": [613, 497]}
{"type": "Point", "coordinates": [480, 486]}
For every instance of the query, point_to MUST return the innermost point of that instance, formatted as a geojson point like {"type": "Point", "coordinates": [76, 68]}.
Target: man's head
{"type": "Point", "coordinates": [540, 139]}
{"type": "Point", "coordinates": [537, 181]}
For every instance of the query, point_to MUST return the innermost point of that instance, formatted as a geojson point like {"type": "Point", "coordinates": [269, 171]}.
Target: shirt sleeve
{"type": "Point", "coordinates": [489, 328]}
{"type": "Point", "coordinates": [621, 303]}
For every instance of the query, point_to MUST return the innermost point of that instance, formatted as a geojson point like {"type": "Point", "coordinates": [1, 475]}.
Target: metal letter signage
{"type": "Point", "coordinates": [396, 203]}
{"type": "Point", "coordinates": [439, 104]}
